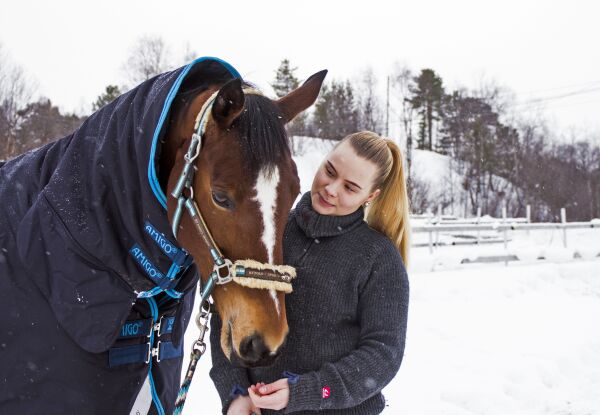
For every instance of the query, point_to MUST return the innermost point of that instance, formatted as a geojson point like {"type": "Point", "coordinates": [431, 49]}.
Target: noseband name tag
{"type": "Point", "coordinates": [254, 274]}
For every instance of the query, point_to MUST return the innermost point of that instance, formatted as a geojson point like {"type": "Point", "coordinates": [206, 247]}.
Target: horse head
{"type": "Point", "coordinates": [244, 185]}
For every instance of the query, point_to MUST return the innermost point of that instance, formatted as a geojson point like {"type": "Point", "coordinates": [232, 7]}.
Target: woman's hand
{"type": "Point", "coordinates": [274, 396]}
{"type": "Point", "coordinates": [242, 405]}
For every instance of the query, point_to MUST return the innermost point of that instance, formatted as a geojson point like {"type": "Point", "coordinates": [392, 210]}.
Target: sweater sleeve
{"type": "Point", "coordinates": [229, 380]}
{"type": "Point", "coordinates": [383, 311]}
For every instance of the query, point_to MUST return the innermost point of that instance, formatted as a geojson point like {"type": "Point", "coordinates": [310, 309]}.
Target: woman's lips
{"type": "Point", "coordinates": [324, 202]}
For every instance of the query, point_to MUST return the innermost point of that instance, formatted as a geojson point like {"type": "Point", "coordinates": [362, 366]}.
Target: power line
{"type": "Point", "coordinates": [586, 84]}
{"type": "Point", "coordinates": [535, 101]}
{"type": "Point", "coordinates": [561, 105]}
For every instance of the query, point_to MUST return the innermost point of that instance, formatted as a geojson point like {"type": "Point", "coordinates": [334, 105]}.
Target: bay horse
{"type": "Point", "coordinates": [98, 266]}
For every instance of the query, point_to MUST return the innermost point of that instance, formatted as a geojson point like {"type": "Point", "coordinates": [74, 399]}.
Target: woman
{"type": "Point", "coordinates": [347, 315]}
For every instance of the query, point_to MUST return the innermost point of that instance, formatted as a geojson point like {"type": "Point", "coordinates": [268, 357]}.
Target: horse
{"type": "Point", "coordinates": [98, 266]}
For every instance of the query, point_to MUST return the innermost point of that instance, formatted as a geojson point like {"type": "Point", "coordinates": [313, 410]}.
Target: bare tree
{"type": "Point", "coordinates": [149, 57]}
{"type": "Point", "coordinates": [15, 91]}
{"type": "Point", "coordinates": [402, 83]}
{"type": "Point", "coordinates": [586, 158]}
{"type": "Point", "coordinates": [419, 194]}
{"type": "Point", "coordinates": [596, 178]}
{"type": "Point", "coordinates": [370, 116]}
{"type": "Point", "coordinates": [499, 97]}
{"type": "Point", "coordinates": [189, 54]}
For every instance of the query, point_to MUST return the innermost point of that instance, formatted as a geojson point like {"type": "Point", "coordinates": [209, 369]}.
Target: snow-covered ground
{"type": "Point", "coordinates": [489, 339]}
{"type": "Point", "coordinates": [520, 338]}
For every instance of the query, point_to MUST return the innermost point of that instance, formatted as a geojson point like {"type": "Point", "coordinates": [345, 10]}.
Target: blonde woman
{"type": "Point", "coordinates": [348, 239]}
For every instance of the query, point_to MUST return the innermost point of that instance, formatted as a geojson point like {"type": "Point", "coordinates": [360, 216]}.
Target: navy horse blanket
{"type": "Point", "coordinates": [95, 292]}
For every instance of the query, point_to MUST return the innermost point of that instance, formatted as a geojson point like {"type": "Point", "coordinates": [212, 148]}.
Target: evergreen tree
{"type": "Point", "coordinates": [285, 82]}
{"type": "Point", "coordinates": [336, 114]}
{"type": "Point", "coordinates": [427, 99]}
{"type": "Point", "coordinates": [111, 92]}
{"type": "Point", "coordinates": [285, 79]}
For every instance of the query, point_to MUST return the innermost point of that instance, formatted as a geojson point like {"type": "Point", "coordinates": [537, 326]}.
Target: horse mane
{"type": "Point", "coordinates": [262, 134]}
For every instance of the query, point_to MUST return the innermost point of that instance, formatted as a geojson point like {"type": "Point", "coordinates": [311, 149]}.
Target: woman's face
{"type": "Point", "coordinates": [343, 182]}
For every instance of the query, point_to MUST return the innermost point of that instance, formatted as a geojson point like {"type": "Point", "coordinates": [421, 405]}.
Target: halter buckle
{"type": "Point", "coordinates": [227, 266]}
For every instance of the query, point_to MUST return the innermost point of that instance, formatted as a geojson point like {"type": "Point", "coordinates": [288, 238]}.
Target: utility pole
{"type": "Point", "coordinates": [387, 109]}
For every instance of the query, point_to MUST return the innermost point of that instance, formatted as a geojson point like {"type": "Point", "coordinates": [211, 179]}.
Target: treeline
{"type": "Point", "coordinates": [502, 158]}
{"type": "Point", "coordinates": [27, 123]}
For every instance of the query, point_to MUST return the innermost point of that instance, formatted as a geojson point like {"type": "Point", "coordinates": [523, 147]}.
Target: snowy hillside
{"type": "Point", "coordinates": [518, 339]}
{"type": "Point", "coordinates": [438, 172]}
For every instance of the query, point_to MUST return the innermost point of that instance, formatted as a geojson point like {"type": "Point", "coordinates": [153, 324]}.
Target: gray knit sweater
{"type": "Point", "coordinates": [347, 318]}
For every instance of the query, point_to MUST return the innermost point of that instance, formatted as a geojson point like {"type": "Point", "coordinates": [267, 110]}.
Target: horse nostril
{"type": "Point", "coordinates": [253, 349]}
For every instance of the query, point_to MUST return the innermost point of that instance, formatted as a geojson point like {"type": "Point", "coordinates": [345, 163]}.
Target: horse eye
{"type": "Point", "coordinates": [222, 200]}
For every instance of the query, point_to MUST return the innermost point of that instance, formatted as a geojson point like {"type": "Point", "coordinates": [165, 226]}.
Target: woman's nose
{"type": "Point", "coordinates": [331, 190]}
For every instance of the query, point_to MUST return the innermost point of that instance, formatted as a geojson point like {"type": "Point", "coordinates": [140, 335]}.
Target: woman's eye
{"type": "Point", "coordinates": [329, 172]}
{"type": "Point", "coordinates": [349, 188]}
{"type": "Point", "coordinates": [222, 200]}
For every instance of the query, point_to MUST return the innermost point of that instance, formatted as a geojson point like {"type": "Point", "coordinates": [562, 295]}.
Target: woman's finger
{"type": "Point", "coordinates": [273, 387]}
{"type": "Point", "coordinates": [275, 401]}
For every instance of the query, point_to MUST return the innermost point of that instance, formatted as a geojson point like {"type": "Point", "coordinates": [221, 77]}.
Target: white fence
{"type": "Point", "coordinates": [437, 224]}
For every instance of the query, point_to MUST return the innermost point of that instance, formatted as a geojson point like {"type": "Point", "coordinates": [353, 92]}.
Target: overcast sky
{"type": "Point", "coordinates": [539, 49]}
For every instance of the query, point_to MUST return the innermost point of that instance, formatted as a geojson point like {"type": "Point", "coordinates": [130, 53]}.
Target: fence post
{"type": "Point", "coordinates": [528, 215]}
{"type": "Point", "coordinates": [478, 220]}
{"type": "Point", "coordinates": [504, 223]}
{"type": "Point", "coordinates": [563, 219]}
{"type": "Point", "coordinates": [430, 242]}
{"type": "Point", "coordinates": [439, 215]}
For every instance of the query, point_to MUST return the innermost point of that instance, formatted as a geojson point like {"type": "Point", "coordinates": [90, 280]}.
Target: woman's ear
{"type": "Point", "coordinates": [373, 195]}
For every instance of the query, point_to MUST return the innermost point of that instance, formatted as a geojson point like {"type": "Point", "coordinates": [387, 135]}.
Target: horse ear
{"type": "Point", "coordinates": [302, 97]}
{"type": "Point", "coordinates": [229, 103]}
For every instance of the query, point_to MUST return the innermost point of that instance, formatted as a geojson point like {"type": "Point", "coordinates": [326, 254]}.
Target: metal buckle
{"type": "Point", "coordinates": [149, 353]}
{"type": "Point", "coordinates": [156, 352]}
{"type": "Point", "coordinates": [227, 265]}
{"type": "Point", "coordinates": [158, 326]}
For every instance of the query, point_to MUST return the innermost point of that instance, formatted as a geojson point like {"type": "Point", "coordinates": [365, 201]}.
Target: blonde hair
{"type": "Point", "coordinates": [389, 212]}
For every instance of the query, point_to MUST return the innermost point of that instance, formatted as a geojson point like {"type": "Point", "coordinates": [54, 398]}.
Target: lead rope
{"type": "Point", "coordinates": [198, 350]}
{"type": "Point", "coordinates": [199, 346]}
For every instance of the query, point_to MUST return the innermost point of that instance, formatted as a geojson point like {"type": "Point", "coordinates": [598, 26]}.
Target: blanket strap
{"type": "Point", "coordinates": [142, 353]}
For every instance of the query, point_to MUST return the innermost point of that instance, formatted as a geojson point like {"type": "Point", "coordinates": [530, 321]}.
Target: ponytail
{"type": "Point", "coordinates": [389, 211]}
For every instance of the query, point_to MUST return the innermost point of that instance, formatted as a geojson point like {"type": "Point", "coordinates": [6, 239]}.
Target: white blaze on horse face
{"type": "Point", "coordinates": [266, 196]}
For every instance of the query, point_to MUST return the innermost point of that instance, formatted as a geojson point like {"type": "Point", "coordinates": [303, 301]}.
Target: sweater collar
{"type": "Point", "coordinates": [316, 225]}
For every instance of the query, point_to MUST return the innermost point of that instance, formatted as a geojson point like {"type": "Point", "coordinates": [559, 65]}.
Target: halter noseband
{"type": "Point", "coordinates": [248, 273]}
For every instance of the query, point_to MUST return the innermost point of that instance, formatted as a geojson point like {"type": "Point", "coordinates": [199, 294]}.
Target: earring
{"type": "Point", "coordinates": [367, 204]}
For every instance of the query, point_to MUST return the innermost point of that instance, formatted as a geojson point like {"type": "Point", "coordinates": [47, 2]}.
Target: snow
{"type": "Point", "coordinates": [488, 339]}
{"type": "Point", "coordinates": [519, 338]}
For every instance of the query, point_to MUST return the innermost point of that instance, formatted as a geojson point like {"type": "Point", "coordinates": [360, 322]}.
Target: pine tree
{"type": "Point", "coordinates": [427, 100]}
{"type": "Point", "coordinates": [336, 114]}
{"type": "Point", "coordinates": [111, 92]}
{"type": "Point", "coordinates": [285, 79]}
{"type": "Point", "coordinates": [285, 82]}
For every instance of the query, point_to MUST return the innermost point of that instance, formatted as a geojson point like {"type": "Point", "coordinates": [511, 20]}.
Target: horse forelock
{"type": "Point", "coordinates": [262, 136]}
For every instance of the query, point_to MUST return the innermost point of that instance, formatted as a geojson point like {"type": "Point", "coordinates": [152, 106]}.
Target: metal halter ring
{"type": "Point", "coordinates": [226, 265]}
